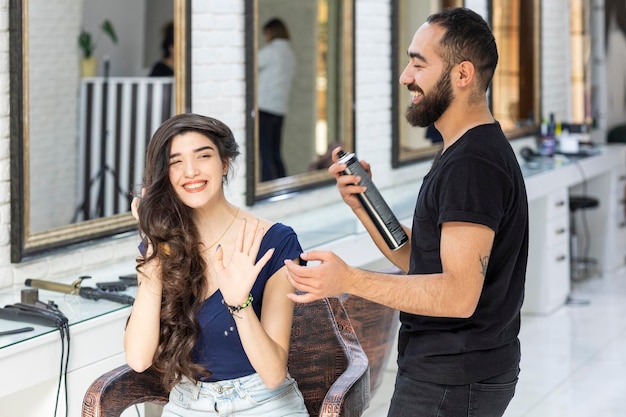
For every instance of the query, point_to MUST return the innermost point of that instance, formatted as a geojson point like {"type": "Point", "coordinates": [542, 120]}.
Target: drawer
{"type": "Point", "coordinates": [557, 231]}
{"type": "Point", "coordinates": [547, 280]}
{"type": "Point", "coordinates": [556, 262]}
{"type": "Point", "coordinates": [618, 218]}
{"type": "Point", "coordinates": [615, 257]}
{"type": "Point", "coordinates": [557, 273]}
{"type": "Point", "coordinates": [557, 204]}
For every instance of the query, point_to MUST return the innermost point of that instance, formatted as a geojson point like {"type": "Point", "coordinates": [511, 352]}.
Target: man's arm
{"type": "Point", "coordinates": [465, 251]}
{"type": "Point", "coordinates": [348, 188]}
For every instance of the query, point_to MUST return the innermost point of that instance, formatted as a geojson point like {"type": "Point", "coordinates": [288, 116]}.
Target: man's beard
{"type": "Point", "coordinates": [430, 108]}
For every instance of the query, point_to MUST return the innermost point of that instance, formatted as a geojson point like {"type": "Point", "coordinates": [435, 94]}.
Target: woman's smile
{"type": "Point", "coordinates": [195, 186]}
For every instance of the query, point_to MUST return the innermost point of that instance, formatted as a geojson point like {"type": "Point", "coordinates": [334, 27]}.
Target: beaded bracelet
{"type": "Point", "coordinates": [236, 309]}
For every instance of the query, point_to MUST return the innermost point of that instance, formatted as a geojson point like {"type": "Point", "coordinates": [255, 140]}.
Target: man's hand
{"type": "Point", "coordinates": [348, 185]}
{"type": "Point", "coordinates": [327, 279]}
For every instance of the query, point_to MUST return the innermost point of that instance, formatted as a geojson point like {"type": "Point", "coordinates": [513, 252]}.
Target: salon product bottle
{"type": "Point", "coordinates": [548, 140]}
{"type": "Point", "coordinates": [375, 206]}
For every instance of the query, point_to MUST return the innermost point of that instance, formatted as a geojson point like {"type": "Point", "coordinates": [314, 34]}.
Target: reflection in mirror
{"type": "Point", "coordinates": [581, 63]}
{"type": "Point", "coordinates": [83, 107]}
{"type": "Point", "coordinates": [316, 43]}
{"type": "Point", "coordinates": [410, 143]}
{"type": "Point", "coordinates": [515, 96]}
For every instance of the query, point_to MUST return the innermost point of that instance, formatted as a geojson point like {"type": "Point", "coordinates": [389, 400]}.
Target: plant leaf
{"type": "Point", "coordinates": [84, 41]}
{"type": "Point", "coordinates": [107, 27]}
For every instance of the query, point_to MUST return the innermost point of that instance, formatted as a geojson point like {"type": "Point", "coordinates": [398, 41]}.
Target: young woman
{"type": "Point", "coordinates": [211, 311]}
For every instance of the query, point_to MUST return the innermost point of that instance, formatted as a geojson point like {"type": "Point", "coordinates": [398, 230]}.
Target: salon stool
{"type": "Point", "coordinates": [581, 265]}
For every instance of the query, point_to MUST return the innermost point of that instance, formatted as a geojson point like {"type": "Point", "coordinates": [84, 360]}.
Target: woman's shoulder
{"type": "Point", "coordinates": [271, 228]}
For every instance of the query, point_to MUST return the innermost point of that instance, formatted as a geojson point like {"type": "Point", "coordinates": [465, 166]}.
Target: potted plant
{"type": "Point", "coordinates": [89, 63]}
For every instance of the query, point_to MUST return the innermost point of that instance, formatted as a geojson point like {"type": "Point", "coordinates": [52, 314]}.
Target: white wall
{"type": "Point", "coordinates": [127, 18]}
{"type": "Point", "coordinates": [555, 58]}
{"type": "Point", "coordinates": [53, 112]}
{"type": "Point", "coordinates": [218, 89]}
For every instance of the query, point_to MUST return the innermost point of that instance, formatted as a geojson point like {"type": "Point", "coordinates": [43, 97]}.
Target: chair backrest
{"type": "Point", "coordinates": [325, 358]}
{"type": "Point", "coordinates": [376, 326]}
{"type": "Point", "coordinates": [324, 347]}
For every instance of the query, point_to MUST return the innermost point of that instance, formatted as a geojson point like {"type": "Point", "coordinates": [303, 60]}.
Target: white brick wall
{"type": "Point", "coordinates": [218, 89]}
{"type": "Point", "coordinates": [555, 58]}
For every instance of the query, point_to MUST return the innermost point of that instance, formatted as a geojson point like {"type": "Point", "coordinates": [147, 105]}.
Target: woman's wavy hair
{"type": "Point", "coordinates": [167, 224]}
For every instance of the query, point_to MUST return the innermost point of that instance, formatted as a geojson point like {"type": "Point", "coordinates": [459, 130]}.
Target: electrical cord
{"type": "Point", "coordinates": [46, 315]}
{"type": "Point", "coordinates": [61, 371]}
{"type": "Point", "coordinates": [62, 324]}
{"type": "Point", "coordinates": [64, 331]}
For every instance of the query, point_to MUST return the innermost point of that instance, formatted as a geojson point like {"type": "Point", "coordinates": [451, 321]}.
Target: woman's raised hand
{"type": "Point", "coordinates": [134, 205]}
{"type": "Point", "coordinates": [236, 279]}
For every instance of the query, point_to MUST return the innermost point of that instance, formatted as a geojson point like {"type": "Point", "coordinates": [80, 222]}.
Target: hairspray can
{"type": "Point", "coordinates": [374, 204]}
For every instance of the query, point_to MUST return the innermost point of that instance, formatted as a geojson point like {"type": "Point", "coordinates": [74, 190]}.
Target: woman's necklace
{"type": "Point", "coordinates": [227, 228]}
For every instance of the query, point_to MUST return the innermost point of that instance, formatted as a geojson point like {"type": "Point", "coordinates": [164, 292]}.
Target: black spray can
{"type": "Point", "coordinates": [374, 204]}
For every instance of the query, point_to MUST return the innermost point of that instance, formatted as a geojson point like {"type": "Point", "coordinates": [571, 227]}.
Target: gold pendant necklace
{"type": "Point", "coordinates": [227, 228]}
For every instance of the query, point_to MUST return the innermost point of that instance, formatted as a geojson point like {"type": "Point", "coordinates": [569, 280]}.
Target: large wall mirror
{"type": "Point", "coordinates": [515, 90]}
{"type": "Point", "coordinates": [299, 72]}
{"type": "Point", "coordinates": [84, 103]}
{"type": "Point", "coordinates": [514, 94]}
{"type": "Point", "coordinates": [410, 144]}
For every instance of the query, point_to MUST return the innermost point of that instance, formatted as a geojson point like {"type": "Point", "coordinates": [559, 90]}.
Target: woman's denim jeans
{"type": "Point", "coordinates": [247, 396]}
{"type": "Point", "coordinates": [487, 398]}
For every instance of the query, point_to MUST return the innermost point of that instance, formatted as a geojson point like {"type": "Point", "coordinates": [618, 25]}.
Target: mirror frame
{"type": "Point", "coordinates": [24, 243]}
{"type": "Point", "coordinates": [290, 185]}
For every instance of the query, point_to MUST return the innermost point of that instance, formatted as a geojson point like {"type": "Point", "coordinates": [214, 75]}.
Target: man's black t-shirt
{"type": "Point", "coordinates": [476, 180]}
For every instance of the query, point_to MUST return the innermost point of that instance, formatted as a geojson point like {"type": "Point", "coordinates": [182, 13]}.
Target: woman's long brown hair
{"type": "Point", "coordinates": [167, 224]}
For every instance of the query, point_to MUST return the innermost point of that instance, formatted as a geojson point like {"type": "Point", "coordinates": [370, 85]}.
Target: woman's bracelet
{"type": "Point", "coordinates": [236, 309]}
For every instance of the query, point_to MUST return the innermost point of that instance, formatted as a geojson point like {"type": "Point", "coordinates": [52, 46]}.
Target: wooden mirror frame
{"type": "Point", "coordinates": [24, 243]}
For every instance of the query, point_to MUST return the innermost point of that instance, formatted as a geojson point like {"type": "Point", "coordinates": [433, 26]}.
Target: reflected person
{"type": "Point", "coordinates": [165, 66]}
{"type": "Point", "coordinates": [277, 64]}
{"type": "Point", "coordinates": [211, 312]}
{"type": "Point", "coordinates": [460, 302]}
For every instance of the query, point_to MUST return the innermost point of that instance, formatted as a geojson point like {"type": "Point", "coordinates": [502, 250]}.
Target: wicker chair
{"type": "Point", "coordinates": [325, 358]}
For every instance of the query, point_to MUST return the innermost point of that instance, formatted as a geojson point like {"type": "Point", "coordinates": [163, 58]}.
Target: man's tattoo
{"type": "Point", "coordinates": [484, 261]}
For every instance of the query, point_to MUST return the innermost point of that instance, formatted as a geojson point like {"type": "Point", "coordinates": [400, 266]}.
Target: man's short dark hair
{"type": "Point", "coordinates": [468, 37]}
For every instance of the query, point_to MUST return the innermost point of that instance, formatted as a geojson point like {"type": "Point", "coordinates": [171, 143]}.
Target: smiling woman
{"type": "Point", "coordinates": [76, 141]}
{"type": "Point", "coordinates": [196, 317]}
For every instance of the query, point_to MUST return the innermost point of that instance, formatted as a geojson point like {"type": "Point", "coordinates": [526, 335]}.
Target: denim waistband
{"type": "Point", "coordinates": [219, 389]}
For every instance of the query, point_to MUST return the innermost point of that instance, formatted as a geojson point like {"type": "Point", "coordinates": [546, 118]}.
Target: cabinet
{"type": "Point", "coordinates": [30, 362]}
{"type": "Point", "coordinates": [548, 275]}
{"type": "Point", "coordinates": [602, 176]}
{"type": "Point", "coordinates": [615, 254]}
